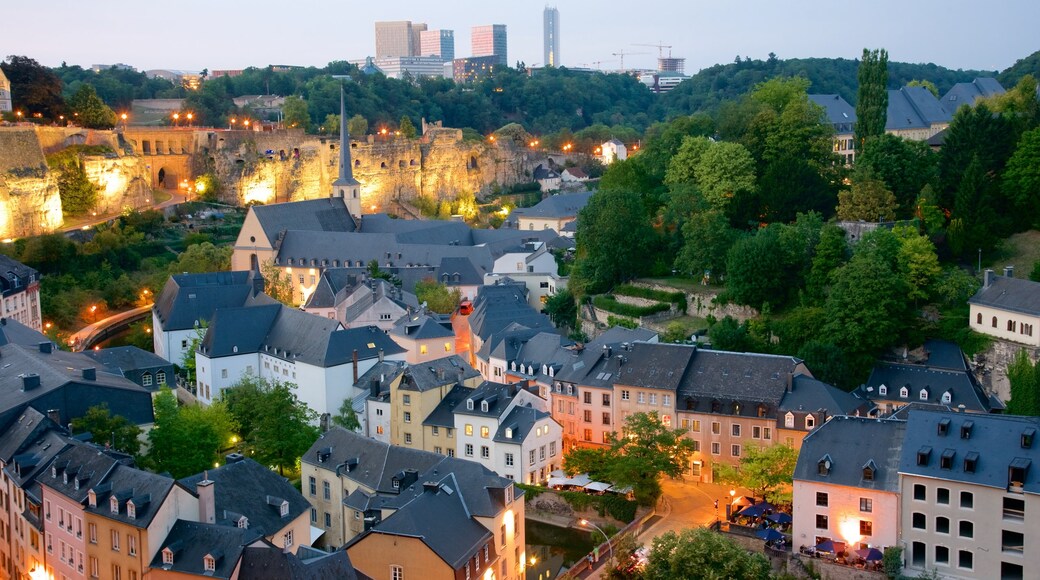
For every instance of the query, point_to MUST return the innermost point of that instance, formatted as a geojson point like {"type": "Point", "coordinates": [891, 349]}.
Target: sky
{"type": "Point", "coordinates": [233, 34]}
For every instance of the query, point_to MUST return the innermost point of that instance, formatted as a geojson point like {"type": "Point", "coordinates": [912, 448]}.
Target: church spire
{"type": "Point", "coordinates": [346, 187]}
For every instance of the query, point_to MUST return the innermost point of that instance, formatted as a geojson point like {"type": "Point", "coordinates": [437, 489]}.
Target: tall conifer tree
{"type": "Point", "coordinates": [872, 96]}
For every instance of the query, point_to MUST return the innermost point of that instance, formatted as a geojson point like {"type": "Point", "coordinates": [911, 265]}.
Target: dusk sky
{"type": "Point", "coordinates": [229, 34]}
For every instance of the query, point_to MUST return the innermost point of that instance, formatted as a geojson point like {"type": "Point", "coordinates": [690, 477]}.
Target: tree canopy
{"type": "Point", "coordinates": [275, 426]}
{"type": "Point", "coordinates": [108, 429]}
{"type": "Point", "coordinates": [701, 554]}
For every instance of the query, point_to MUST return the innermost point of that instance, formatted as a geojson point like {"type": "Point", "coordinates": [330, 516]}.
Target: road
{"type": "Point", "coordinates": [176, 198]}
{"type": "Point", "coordinates": [85, 335]}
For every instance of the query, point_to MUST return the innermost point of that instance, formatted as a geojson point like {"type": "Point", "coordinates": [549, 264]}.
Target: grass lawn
{"type": "Point", "coordinates": [1021, 251]}
{"type": "Point", "coordinates": [161, 196]}
{"type": "Point", "coordinates": [686, 284]}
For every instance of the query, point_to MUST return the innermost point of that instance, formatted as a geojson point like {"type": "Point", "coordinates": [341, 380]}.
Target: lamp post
{"type": "Point", "coordinates": [123, 117]}
{"type": "Point", "coordinates": [176, 119]}
{"type": "Point", "coordinates": [190, 117]}
{"type": "Point", "coordinates": [610, 548]}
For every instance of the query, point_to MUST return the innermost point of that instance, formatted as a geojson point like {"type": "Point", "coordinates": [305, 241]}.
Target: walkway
{"type": "Point", "coordinates": [86, 337]}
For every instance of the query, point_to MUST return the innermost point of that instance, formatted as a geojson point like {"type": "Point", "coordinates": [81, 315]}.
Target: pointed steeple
{"type": "Point", "coordinates": [345, 186]}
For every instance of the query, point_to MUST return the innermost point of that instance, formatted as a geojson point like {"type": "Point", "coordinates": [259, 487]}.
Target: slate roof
{"type": "Point", "coordinates": [562, 205]}
{"type": "Point", "coordinates": [809, 394]}
{"type": "Point", "coordinates": [192, 541]}
{"type": "Point", "coordinates": [440, 519]}
{"type": "Point", "coordinates": [121, 359]}
{"type": "Point", "coordinates": [1011, 294]}
{"type": "Point", "coordinates": [738, 376]}
{"type": "Point", "coordinates": [851, 444]}
{"type": "Point", "coordinates": [521, 420]}
{"type": "Point", "coordinates": [914, 108]}
{"type": "Point", "coordinates": [332, 282]}
{"type": "Point", "coordinates": [422, 326]}
{"type": "Point", "coordinates": [498, 397]}
{"type": "Point", "coordinates": [943, 377]}
{"type": "Point", "coordinates": [378, 463]}
{"type": "Point", "coordinates": [437, 373]}
{"type": "Point", "coordinates": [443, 415]}
{"type": "Point", "coordinates": [388, 370]}
{"type": "Point", "coordinates": [500, 305]}
{"type": "Point", "coordinates": [323, 214]}
{"type": "Point", "coordinates": [542, 172]}
{"type": "Point", "coordinates": [459, 272]}
{"type": "Point", "coordinates": [840, 114]}
{"type": "Point", "coordinates": [263, 561]}
{"type": "Point", "coordinates": [84, 462]}
{"type": "Point", "coordinates": [544, 349]}
{"type": "Point", "coordinates": [15, 276]}
{"type": "Point", "coordinates": [187, 298]}
{"type": "Point", "coordinates": [995, 442]}
{"type": "Point", "coordinates": [617, 335]}
{"type": "Point", "coordinates": [365, 296]}
{"type": "Point", "coordinates": [656, 366]}
{"type": "Point", "coordinates": [12, 331]}
{"type": "Point", "coordinates": [967, 93]}
{"type": "Point", "coordinates": [592, 367]}
{"type": "Point", "coordinates": [23, 432]}
{"type": "Point", "coordinates": [146, 490]}
{"type": "Point", "coordinates": [243, 487]}
{"type": "Point", "coordinates": [31, 455]}
{"type": "Point", "coordinates": [291, 334]}
{"type": "Point", "coordinates": [506, 343]}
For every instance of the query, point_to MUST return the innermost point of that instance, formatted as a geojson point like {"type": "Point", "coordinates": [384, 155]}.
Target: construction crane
{"type": "Point", "coordinates": [660, 48]}
{"type": "Point", "coordinates": [595, 63]}
{"type": "Point", "coordinates": [622, 54]}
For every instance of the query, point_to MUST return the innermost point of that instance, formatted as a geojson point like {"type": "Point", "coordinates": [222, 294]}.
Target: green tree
{"type": "Point", "coordinates": [1021, 179]}
{"type": "Point", "coordinates": [701, 554]}
{"type": "Point", "coordinates": [639, 456]}
{"type": "Point", "coordinates": [208, 188]}
{"type": "Point", "coordinates": [766, 470]}
{"type": "Point", "coordinates": [905, 166]}
{"type": "Point", "coordinates": [974, 134]}
{"type": "Point", "coordinates": [357, 125]}
{"type": "Point", "coordinates": [277, 284]}
{"type": "Point", "coordinates": [1024, 377]}
{"type": "Point", "coordinates": [613, 240]}
{"type": "Point", "coordinates": [346, 417]}
{"type": "Point", "coordinates": [200, 258]}
{"type": "Point", "coordinates": [867, 199]}
{"type": "Point", "coordinates": [78, 194]}
{"type": "Point", "coordinates": [186, 440]}
{"type": "Point", "coordinates": [90, 110]}
{"type": "Point", "coordinates": [406, 128]}
{"type": "Point", "coordinates": [34, 87]}
{"type": "Point", "coordinates": [276, 427]}
{"type": "Point", "coordinates": [109, 429]}
{"type": "Point", "coordinates": [725, 171]}
{"type": "Point", "coordinates": [975, 217]}
{"type": "Point", "coordinates": [926, 84]}
{"type": "Point", "coordinates": [295, 114]}
{"type": "Point", "coordinates": [755, 269]}
{"type": "Point", "coordinates": [729, 334]}
{"type": "Point", "coordinates": [707, 237]}
{"type": "Point", "coordinates": [562, 309]}
{"type": "Point", "coordinates": [831, 252]}
{"type": "Point", "coordinates": [872, 96]}
{"type": "Point", "coordinates": [827, 363]}
{"type": "Point", "coordinates": [438, 297]}
{"type": "Point", "coordinates": [918, 263]}
{"type": "Point", "coordinates": [682, 168]}
{"type": "Point", "coordinates": [188, 365]}
{"type": "Point", "coordinates": [1034, 275]}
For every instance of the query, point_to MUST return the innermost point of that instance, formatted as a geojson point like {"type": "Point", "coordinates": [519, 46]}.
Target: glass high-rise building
{"type": "Point", "coordinates": [398, 38]}
{"type": "Point", "coordinates": [437, 43]}
{"type": "Point", "coordinates": [490, 40]}
{"type": "Point", "coordinates": [551, 35]}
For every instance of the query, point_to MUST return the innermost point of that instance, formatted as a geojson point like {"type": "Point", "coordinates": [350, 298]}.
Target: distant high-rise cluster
{"type": "Point", "coordinates": [551, 35]}
{"type": "Point", "coordinates": [399, 38]}
{"type": "Point", "coordinates": [490, 40]}
{"type": "Point", "coordinates": [437, 43]}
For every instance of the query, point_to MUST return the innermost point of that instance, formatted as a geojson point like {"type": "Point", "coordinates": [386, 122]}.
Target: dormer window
{"type": "Point", "coordinates": [283, 510]}
{"type": "Point", "coordinates": [971, 461]}
{"type": "Point", "coordinates": [947, 397]}
{"type": "Point", "coordinates": [904, 392]}
{"type": "Point", "coordinates": [810, 422]}
{"type": "Point", "coordinates": [54, 471]}
{"type": "Point", "coordinates": [65, 478]}
{"type": "Point", "coordinates": [131, 510]}
{"type": "Point", "coordinates": [469, 404]}
{"type": "Point", "coordinates": [483, 407]}
{"type": "Point", "coordinates": [167, 557]}
{"type": "Point", "coordinates": [789, 420]}
{"type": "Point", "coordinates": [823, 466]}
{"type": "Point", "coordinates": [243, 522]}
{"type": "Point", "coordinates": [923, 395]}
{"type": "Point", "coordinates": [882, 390]}
{"type": "Point", "coordinates": [869, 471]}
{"type": "Point", "coordinates": [923, 455]}
{"type": "Point", "coordinates": [966, 429]}
{"type": "Point", "coordinates": [944, 427]}
{"type": "Point", "coordinates": [396, 483]}
{"type": "Point", "coordinates": [209, 563]}
{"type": "Point", "coordinates": [513, 366]}
{"type": "Point", "coordinates": [509, 433]}
{"type": "Point", "coordinates": [1027, 438]}
{"type": "Point", "coordinates": [946, 459]}
{"type": "Point", "coordinates": [113, 505]}
{"type": "Point", "coordinates": [91, 498]}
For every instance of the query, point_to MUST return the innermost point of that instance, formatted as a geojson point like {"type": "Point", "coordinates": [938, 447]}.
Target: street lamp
{"type": "Point", "coordinates": [587, 523]}
{"type": "Point", "coordinates": [93, 312]}
{"type": "Point", "coordinates": [176, 118]}
{"type": "Point", "coordinates": [190, 117]}
{"type": "Point", "coordinates": [123, 117]}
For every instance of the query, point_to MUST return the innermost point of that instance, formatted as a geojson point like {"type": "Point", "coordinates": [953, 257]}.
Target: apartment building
{"type": "Point", "coordinates": [19, 284]}
{"type": "Point", "coordinates": [416, 396]}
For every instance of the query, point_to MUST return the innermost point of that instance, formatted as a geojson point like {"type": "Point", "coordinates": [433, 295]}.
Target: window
{"type": "Point", "coordinates": [920, 492]}
{"type": "Point", "coordinates": [407, 417]}
{"type": "Point", "coordinates": [131, 545]}
{"type": "Point", "coordinates": [587, 435]}
{"type": "Point", "coordinates": [789, 420]}
{"type": "Point", "coordinates": [917, 521]}
{"type": "Point", "coordinates": [653, 398]}
{"type": "Point", "coordinates": [313, 486]}
{"type": "Point", "coordinates": [756, 432]}
{"type": "Point", "coordinates": [435, 430]}
{"type": "Point", "coordinates": [167, 558]}
{"type": "Point", "coordinates": [942, 496]}
{"type": "Point", "coordinates": [469, 450]}
{"type": "Point", "coordinates": [588, 397]}
{"type": "Point", "coordinates": [587, 415]}
{"type": "Point", "coordinates": [115, 540]}
{"type": "Point", "coordinates": [696, 446]}
{"type": "Point", "coordinates": [822, 499]}
{"type": "Point", "coordinates": [866, 528]}
{"type": "Point", "coordinates": [1014, 509]}
{"type": "Point", "coordinates": [1011, 542]}
{"type": "Point", "coordinates": [734, 450]}
{"type": "Point", "coordinates": [314, 516]}
{"type": "Point", "coordinates": [485, 453]}
{"type": "Point", "coordinates": [625, 394]}
{"type": "Point", "coordinates": [552, 449]}
{"type": "Point", "coordinates": [326, 490]}
{"type": "Point", "coordinates": [666, 400]}
{"type": "Point", "coordinates": [993, 322]}
{"type": "Point", "coordinates": [966, 529]}
{"type": "Point", "coordinates": [942, 525]}
{"type": "Point", "coordinates": [469, 430]}
{"type": "Point", "coordinates": [530, 457]}
{"type": "Point", "coordinates": [821, 522]}
{"type": "Point", "coordinates": [810, 422]}
{"type": "Point", "coordinates": [438, 449]}
{"type": "Point", "coordinates": [866, 504]}
{"type": "Point", "coordinates": [92, 533]}
{"type": "Point", "coordinates": [146, 379]}
{"type": "Point", "coordinates": [882, 390]}
{"type": "Point", "coordinates": [641, 398]}
{"type": "Point", "coordinates": [736, 430]}
{"type": "Point", "coordinates": [606, 418]}
{"type": "Point", "coordinates": [509, 459]}
{"type": "Point", "coordinates": [422, 349]}
{"type": "Point", "coordinates": [408, 438]}
{"type": "Point", "coordinates": [447, 347]}
{"type": "Point", "coordinates": [287, 539]}
{"type": "Point", "coordinates": [716, 448]}
{"type": "Point", "coordinates": [406, 399]}
{"type": "Point", "coordinates": [965, 557]}
{"type": "Point", "coordinates": [397, 572]}
{"type": "Point", "coordinates": [223, 373]}
{"type": "Point", "coordinates": [695, 426]}
{"type": "Point", "coordinates": [942, 555]}
{"type": "Point", "coordinates": [716, 428]}
{"type": "Point", "coordinates": [967, 500]}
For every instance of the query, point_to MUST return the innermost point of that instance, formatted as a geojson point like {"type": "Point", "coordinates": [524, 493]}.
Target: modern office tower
{"type": "Point", "coordinates": [398, 38]}
{"type": "Point", "coordinates": [437, 43]}
{"type": "Point", "coordinates": [551, 32]}
{"type": "Point", "coordinates": [490, 40]}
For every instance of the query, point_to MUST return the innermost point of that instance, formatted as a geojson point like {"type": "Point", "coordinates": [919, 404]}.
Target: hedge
{"type": "Point", "coordinates": [615, 506]}
{"type": "Point", "coordinates": [609, 304]}
{"type": "Point", "coordinates": [678, 298]}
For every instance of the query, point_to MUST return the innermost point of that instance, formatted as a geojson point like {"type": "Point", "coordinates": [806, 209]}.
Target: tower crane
{"type": "Point", "coordinates": [621, 54]}
{"type": "Point", "coordinates": [660, 48]}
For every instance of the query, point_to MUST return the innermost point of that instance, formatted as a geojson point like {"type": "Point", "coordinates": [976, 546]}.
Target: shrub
{"type": "Point", "coordinates": [677, 298]}
{"type": "Point", "coordinates": [609, 304]}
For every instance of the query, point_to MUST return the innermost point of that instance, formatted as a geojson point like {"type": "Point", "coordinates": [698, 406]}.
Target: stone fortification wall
{"type": "Point", "coordinates": [705, 303]}
{"type": "Point", "coordinates": [991, 366]}
{"type": "Point", "coordinates": [29, 201]}
{"type": "Point", "coordinates": [53, 139]}
{"type": "Point", "coordinates": [123, 182]}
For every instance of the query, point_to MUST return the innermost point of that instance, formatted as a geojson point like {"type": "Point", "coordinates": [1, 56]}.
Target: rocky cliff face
{"type": "Point", "coordinates": [29, 201]}
{"type": "Point", "coordinates": [991, 366]}
{"type": "Point", "coordinates": [123, 182]}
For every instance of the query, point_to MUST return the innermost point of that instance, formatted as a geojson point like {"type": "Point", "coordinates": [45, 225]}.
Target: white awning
{"type": "Point", "coordinates": [315, 534]}
{"type": "Point", "coordinates": [597, 486]}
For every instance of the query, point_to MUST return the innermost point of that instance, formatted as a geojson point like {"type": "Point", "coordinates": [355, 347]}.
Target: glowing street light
{"type": "Point", "coordinates": [93, 312]}
{"type": "Point", "coordinates": [176, 118]}
{"type": "Point", "coordinates": [587, 523]}
{"type": "Point", "coordinates": [124, 117]}
{"type": "Point", "coordinates": [190, 117]}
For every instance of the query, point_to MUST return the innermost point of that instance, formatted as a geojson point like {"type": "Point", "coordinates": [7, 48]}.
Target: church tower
{"type": "Point", "coordinates": [346, 186]}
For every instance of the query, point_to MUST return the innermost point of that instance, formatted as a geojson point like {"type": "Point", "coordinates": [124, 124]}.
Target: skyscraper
{"type": "Point", "coordinates": [551, 32]}
{"type": "Point", "coordinates": [490, 40]}
{"type": "Point", "coordinates": [398, 38]}
{"type": "Point", "coordinates": [437, 43]}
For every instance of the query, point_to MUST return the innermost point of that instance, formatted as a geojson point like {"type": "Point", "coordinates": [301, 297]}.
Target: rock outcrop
{"type": "Point", "coordinates": [29, 200]}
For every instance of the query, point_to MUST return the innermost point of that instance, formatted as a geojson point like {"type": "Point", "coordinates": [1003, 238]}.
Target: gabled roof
{"type": "Point", "coordinates": [914, 108]}
{"type": "Point", "coordinates": [15, 276]}
{"type": "Point", "coordinates": [497, 396]}
{"type": "Point", "coordinates": [243, 487]}
{"type": "Point", "coordinates": [851, 444]}
{"type": "Point", "coordinates": [739, 376]}
{"type": "Point", "coordinates": [459, 272]}
{"type": "Point", "coordinates": [443, 415]}
{"type": "Point", "coordinates": [839, 112]}
{"type": "Point", "coordinates": [542, 172]}
{"type": "Point", "coordinates": [657, 366]}
{"type": "Point", "coordinates": [562, 205]}
{"type": "Point", "coordinates": [500, 305]}
{"type": "Point", "coordinates": [322, 215]}
{"type": "Point", "coordinates": [810, 395]}
{"type": "Point", "coordinates": [22, 433]}
{"type": "Point", "coordinates": [12, 331]}
{"type": "Point", "coordinates": [146, 490]}
{"type": "Point", "coordinates": [422, 326]}
{"type": "Point", "coordinates": [263, 561]}
{"type": "Point", "coordinates": [1011, 294]}
{"type": "Point", "coordinates": [188, 300]}
{"type": "Point", "coordinates": [190, 542]}
{"type": "Point", "coordinates": [994, 442]}
{"type": "Point", "coordinates": [967, 93]}
{"type": "Point", "coordinates": [121, 359]}
{"type": "Point", "coordinates": [83, 463]}
{"type": "Point", "coordinates": [576, 172]}
{"type": "Point", "coordinates": [518, 424]}
{"type": "Point", "coordinates": [437, 373]}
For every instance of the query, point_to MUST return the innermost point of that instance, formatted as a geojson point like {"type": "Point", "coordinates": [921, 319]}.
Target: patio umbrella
{"type": "Point", "coordinates": [743, 500]}
{"type": "Point", "coordinates": [825, 546]}
{"type": "Point", "coordinates": [769, 534]}
{"type": "Point", "coordinates": [780, 518]}
{"type": "Point", "coordinates": [757, 510]}
{"type": "Point", "coordinates": [870, 554]}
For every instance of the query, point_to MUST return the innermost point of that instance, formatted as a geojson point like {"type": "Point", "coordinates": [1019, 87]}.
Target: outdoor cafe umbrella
{"type": "Point", "coordinates": [757, 510]}
{"type": "Point", "coordinates": [769, 534]}
{"type": "Point", "coordinates": [779, 518]}
{"type": "Point", "coordinates": [826, 546]}
{"type": "Point", "coordinates": [870, 554]}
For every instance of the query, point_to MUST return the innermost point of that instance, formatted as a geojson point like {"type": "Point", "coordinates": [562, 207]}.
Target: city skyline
{"type": "Point", "coordinates": [703, 33]}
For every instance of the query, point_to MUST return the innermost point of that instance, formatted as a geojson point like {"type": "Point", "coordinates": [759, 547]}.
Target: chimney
{"type": "Point", "coordinates": [606, 350]}
{"type": "Point", "coordinates": [355, 361]}
{"type": "Point", "coordinates": [380, 355]}
{"type": "Point", "coordinates": [207, 500]}
{"type": "Point", "coordinates": [45, 347]}
{"type": "Point", "coordinates": [790, 382]}
{"type": "Point", "coordinates": [30, 381]}
{"type": "Point", "coordinates": [54, 415]}
{"type": "Point", "coordinates": [987, 278]}
{"type": "Point", "coordinates": [233, 458]}
{"type": "Point", "coordinates": [440, 374]}
{"type": "Point", "coordinates": [1009, 271]}
{"type": "Point", "coordinates": [90, 374]}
